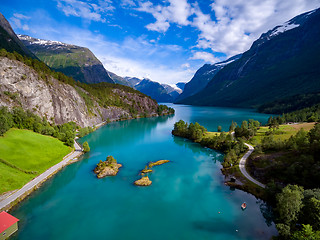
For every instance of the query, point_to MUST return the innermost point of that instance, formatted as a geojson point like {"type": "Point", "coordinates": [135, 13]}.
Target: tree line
{"type": "Point", "coordinates": [18, 118]}
{"type": "Point", "coordinates": [223, 142]}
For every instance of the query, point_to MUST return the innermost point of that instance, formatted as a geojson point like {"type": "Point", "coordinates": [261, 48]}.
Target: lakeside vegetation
{"type": "Point", "coordinates": [293, 165]}
{"type": "Point", "coordinates": [24, 155]}
{"type": "Point", "coordinates": [18, 118]}
{"type": "Point", "coordinates": [223, 142]}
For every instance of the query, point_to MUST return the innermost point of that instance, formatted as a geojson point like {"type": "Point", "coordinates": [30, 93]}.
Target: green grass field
{"type": "Point", "coordinates": [24, 155]}
{"type": "Point", "coordinates": [283, 133]}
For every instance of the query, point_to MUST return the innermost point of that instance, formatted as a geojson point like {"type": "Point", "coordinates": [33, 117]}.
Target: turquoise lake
{"type": "Point", "coordinates": [187, 198]}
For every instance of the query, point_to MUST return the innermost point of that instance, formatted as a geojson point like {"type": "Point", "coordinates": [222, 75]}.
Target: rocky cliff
{"type": "Point", "coordinates": [59, 102]}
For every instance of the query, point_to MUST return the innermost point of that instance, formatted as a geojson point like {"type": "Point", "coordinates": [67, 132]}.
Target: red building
{"type": "Point", "coordinates": [8, 225]}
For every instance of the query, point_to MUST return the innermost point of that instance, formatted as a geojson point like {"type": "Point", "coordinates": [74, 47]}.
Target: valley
{"type": "Point", "coordinates": [235, 108]}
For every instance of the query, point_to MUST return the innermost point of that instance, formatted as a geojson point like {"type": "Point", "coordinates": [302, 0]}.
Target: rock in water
{"type": "Point", "coordinates": [144, 181]}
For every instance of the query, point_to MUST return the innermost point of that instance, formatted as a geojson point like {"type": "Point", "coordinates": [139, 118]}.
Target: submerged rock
{"type": "Point", "coordinates": [160, 162]}
{"type": "Point", "coordinates": [144, 181]}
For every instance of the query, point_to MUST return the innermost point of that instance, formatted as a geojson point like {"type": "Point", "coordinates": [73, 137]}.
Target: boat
{"type": "Point", "coordinates": [243, 206]}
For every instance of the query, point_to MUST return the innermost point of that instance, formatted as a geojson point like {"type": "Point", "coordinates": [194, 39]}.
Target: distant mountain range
{"type": "Point", "coordinates": [27, 82]}
{"type": "Point", "coordinates": [159, 92]}
{"type": "Point", "coordinates": [282, 63]}
{"type": "Point", "coordinates": [81, 64]}
{"type": "Point", "coordinates": [202, 77]}
{"type": "Point", "coordinates": [74, 61]}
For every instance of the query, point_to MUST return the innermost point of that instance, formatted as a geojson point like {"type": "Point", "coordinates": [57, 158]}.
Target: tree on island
{"type": "Point", "coordinates": [86, 147]}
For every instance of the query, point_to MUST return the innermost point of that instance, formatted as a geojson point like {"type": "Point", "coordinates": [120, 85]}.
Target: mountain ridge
{"type": "Point", "coordinates": [10, 41]}
{"type": "Point", "coordinates": [279, 66]}
{"type": "Point", "coordinates": [72, 60]}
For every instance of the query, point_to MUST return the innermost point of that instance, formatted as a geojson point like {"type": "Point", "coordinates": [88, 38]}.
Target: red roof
{"type": "Point", "coordinates": [6, 220]}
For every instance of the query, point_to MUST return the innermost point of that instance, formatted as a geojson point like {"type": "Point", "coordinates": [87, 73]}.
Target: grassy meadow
{"type": "Point", "coordinates": [283, 133]}
{"type": "Point", "coordinates": [24, 155]}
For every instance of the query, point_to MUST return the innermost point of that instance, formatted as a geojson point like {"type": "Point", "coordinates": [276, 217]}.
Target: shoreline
{"type": "Point", "coordinates": [10, 199]}
{"type": "Point", "coordinates": [18, 195]}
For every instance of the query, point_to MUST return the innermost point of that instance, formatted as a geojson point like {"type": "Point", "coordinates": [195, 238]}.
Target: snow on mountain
{"type": "Point", "coordinates": [41, 41]}
{"type": "Point", "coordinates": [281, 29]}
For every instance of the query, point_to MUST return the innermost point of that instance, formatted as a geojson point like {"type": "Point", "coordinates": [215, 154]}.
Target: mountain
{"type": "Point", "coordinates": [155, 90]}
{"type": "Point", "coordinates": [30, 84]}
{"type": "Point", "coordinates": [202, 77]}
{"type": "Point", "coordinates": [181, 85]}
{"type": "Point", "coordinates": [282, 63]}
{"type": "Point", "coordinates": [120, 80]}
{"type": "Point", "coordinates": [61, 102]}
{"type": "Point", "coordinates": [133, 80]}
{"type": "Point", "coordinates": [74, 61]}
{"type": "Point", "coordinates": [159, 92]}
{"type": "Point", "coordinates": [172, 90]}
{"type": "Point", "coordinates": [10, 41]}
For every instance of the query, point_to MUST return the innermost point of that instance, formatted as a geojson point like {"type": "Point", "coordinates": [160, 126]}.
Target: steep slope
{"type": "Point", "coordinates": [172, 90]}
{"type": "Point", "coordinates": [74, 61]}
{"type": "Point", "coordinates": [155, 90]}
{"type": "Point", "coordinates": [160, 92]}
{"type": "Point", "coordinates": [10, 41]}
{"type": "Point", "coordinates": [202, 77]}
{"type": "Point", "coordinates": [181, 85]}
{"type": "Point", "coordinates": [283, 62]}
{"type": "Point", "coordinates": [59, 102]}
{"type": "Point", "coordinates": [133, 80]}
{"type": "Point", "coordinates": [120, 80]}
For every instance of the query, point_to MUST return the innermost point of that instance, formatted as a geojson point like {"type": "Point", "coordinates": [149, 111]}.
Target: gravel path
{"type": "Point", "coordinates": [242, 166]}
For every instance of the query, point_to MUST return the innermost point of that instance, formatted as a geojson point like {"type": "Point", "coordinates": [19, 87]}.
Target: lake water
{"type": "Point", "coordinates": [187, 198]}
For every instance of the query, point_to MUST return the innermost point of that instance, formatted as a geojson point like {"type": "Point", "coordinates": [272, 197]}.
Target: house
{"type": "Point", "coordinates": [8, 225]}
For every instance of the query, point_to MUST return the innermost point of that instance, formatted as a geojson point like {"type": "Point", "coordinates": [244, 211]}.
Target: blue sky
{"type": "Point", "coordinates": [164, 40]}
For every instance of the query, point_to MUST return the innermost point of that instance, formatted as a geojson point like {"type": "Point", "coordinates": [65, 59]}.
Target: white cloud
{"type": "Point", "coordinates": [240, 22]}
{"type": "Point", "coordinates": [185, 65]}
{"type": "Point", "coordinates": [236, 25]}
{"type": "Point", "coordinates": [132, 67]}
{"type": "Point", "coordinates": [20, 16]}
{"type": "Point", "coordinates": [205, 56]}
{"type": "Point", "coordinates": [128, 3]}
{"type": "Point", "coordinates": [17, 21]}
{"type": "Point", "coordinates": [177, 12]}
{"type": "Point", "coordinates": [134, 57]}
{"type": "Point", "coordinates": [86, 10]}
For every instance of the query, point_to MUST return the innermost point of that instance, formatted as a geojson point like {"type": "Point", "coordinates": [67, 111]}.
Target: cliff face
{"type": "Point", "coordinates": [59, 102]}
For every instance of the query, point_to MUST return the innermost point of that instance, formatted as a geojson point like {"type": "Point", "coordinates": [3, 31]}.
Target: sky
{"type": "Point", "coordinates": [164, 40]}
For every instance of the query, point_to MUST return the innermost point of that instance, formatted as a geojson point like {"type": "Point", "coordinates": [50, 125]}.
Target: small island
{"type": "Point", "coordinates": [109, 167]}
{"type": "Point", "coordinates": [160, 162]}
{"type": "Point", "coordinates": [144, 181]}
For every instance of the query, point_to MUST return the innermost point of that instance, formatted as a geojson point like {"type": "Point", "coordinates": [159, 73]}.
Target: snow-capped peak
{"type": "Point", "coordinates": [282, 28]}
{"type": "Point", "coordinates": [39, 41]}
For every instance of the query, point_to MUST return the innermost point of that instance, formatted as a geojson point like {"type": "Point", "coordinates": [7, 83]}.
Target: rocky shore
{"type": "Point", "coordinates": [144, 181]}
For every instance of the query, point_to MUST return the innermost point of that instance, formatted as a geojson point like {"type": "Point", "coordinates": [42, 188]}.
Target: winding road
{"type": "Point", "coordinates": [39, 179]}
{"type": "Point", "coordinates": [242, 166]}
